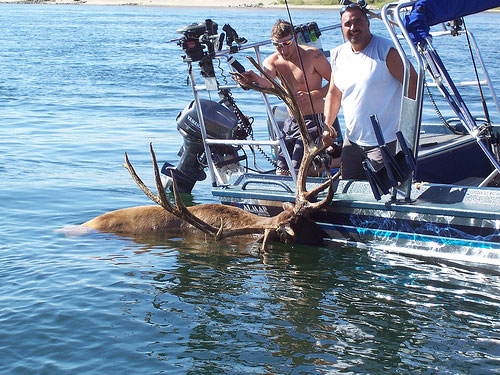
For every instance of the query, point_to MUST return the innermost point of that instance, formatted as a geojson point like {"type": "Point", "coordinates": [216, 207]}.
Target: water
{"type": "Point", "coordinates": [79, 86]}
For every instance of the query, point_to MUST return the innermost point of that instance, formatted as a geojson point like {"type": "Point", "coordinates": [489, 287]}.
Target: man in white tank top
{"type": "Point", "coordinates": [368, 81]}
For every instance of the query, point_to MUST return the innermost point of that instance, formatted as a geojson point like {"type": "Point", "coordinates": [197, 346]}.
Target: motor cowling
{"type": "Point", "coordinates": [219, 124]}
{"type": "Point", "coordinates": [219, 120]}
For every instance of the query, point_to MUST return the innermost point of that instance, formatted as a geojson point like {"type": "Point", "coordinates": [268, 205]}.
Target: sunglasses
{"type": "Point", "coordinates": [350, 6]}
{"type": "Point", "coordinates": [286, 43]}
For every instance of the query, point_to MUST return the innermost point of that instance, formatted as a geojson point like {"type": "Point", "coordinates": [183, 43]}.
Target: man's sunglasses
{"type": "Point", "coordinates": [350, 6]}
{"type": "Point", "coordinates": [286, 43]}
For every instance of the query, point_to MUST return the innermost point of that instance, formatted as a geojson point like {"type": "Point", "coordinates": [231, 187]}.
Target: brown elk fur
{"type": "Point", "coordinates": [149, 220]}
{"type": "Point", "coordinates": [145, 219]}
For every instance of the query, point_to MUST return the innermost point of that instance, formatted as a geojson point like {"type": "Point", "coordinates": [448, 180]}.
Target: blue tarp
{"type": "Point", "coordinates": [427, 13]}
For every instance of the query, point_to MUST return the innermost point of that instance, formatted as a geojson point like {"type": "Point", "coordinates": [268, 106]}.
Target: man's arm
{"type": "Point", "coordinates": [332, 107]}
{"type": "Point", "coordinates": [269, 68]}
{"type": "Point", "coordinates": [395, 66]}
{"type": "Point", "coordinates": [322, 66]}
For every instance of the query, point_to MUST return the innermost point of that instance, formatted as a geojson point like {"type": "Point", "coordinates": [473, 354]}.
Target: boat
{"type": "Point", "coordinates": [446, 202]}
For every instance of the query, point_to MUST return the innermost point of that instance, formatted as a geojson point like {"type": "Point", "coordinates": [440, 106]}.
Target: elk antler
{"type": "Point", "coordinates": [180, 210]}
{"type": "Point", "coordinates": [311, 149]}
{"type": "Point", "coordinates": [161, 198]}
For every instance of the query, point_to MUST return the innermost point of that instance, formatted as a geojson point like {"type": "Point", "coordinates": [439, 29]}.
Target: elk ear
{"type": "Point", "coordinates": [286, 233]}
{"type": "Point", "coordinates": [287, 206]}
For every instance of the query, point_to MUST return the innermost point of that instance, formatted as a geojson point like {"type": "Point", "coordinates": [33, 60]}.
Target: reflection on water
{"type": "Point", "coordinates": [306, 308]}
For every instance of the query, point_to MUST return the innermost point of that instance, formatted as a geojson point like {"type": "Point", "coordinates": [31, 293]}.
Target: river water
{"type": "Point", "coordinates": [79, 85]}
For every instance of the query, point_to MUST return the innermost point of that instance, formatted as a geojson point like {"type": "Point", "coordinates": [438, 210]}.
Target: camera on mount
{"type": "Point", "coordinates": [198, 35]}
{"type": "Point", "coordinates": [195, 37]}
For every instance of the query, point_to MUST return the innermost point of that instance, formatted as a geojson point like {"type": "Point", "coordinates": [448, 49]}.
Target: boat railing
{"type": "Point", "coordinates": [427, 60]}
{"type": "Point", "coordinates": [411, 108]}
{"type": "Point", "coordinates": [274, 130]}
{"type": "Point", "coordinates": [400, 8]}
{"type": "Point", "coordinates": [486, 80]}
{"type": "Point", "coordinates": [216, 178]}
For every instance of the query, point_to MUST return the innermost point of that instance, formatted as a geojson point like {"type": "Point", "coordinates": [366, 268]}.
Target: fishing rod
{"type": "Point", "coordinates": [302, 67]}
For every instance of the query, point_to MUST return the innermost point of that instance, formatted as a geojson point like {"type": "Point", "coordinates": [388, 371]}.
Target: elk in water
{"type": "Point", "coordinates": [222, 221]}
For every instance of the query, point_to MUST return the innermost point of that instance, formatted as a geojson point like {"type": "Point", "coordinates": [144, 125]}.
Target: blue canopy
{"type": "Point", "coordinates": [426, 13]}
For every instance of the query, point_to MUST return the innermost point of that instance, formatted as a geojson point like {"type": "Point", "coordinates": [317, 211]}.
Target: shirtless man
{"type": "Point", "coordinates": [286, 60]}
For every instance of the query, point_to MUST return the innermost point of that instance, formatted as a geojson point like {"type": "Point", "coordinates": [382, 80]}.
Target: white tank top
{"type": "Point", "coordinates": [368, 88]}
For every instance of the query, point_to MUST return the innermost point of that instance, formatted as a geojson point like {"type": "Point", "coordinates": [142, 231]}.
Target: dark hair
{"type": "Point", "coordinates": [281, 29]}
{"type": "Point", "coordinates": [352, 6]}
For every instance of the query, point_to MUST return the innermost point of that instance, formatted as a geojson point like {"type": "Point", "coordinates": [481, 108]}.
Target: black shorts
{"type": "Point", "coordinates": [353, 155]}
{"type": "Point", "coordinates": [293, 140]}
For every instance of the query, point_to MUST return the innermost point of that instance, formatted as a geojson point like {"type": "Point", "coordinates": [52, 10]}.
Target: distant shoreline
{"type": "Point", "coordinates": [258, 4]}
{"type": "Point", "coordinates": [174, 3]}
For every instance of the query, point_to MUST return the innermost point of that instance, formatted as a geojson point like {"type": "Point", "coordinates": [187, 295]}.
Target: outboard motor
{"type": "Point", "coordinates": [220, 123]}
{"type": "Point", "coordinates": [223, 120]}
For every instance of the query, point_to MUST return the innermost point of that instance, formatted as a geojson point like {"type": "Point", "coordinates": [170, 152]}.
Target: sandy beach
{"type": "Point", "coordinates": [175, 3]}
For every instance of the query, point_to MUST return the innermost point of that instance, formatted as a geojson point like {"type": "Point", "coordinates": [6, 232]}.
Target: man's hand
{"type": "Point", "coordinates": [251, 76]}
{"type": "Point", "coordinates": [329, 136]}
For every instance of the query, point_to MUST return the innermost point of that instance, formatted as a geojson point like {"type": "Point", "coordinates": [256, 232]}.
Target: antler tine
{"type": "Point", "coordinates": [318, 189]}
{"type": "Point", "coordinates": [179, 209]}
{"type": "Point", "coordinates": [329, 196]}
{"type": "Point", "coordinates": [139, 182]}
{"type": "Point", "coordinates": [285, 93]}
{"type": "Point", "coordinates": [249, 85]}
{"type": "Point", "coordinates": [311, 149]}
{"type": "Point", "coordinates": [161, 198]}
{"type": "Point", "coordinates": [162, 195]}
{"type": "Point", "coordinates": [276, 88]}
{"type": "Point", "coordinates": [179, 204]}
{"type": "Point", "coordinates": [177, 197]}
{"type": "Point", "coordinates": [293, 106]}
